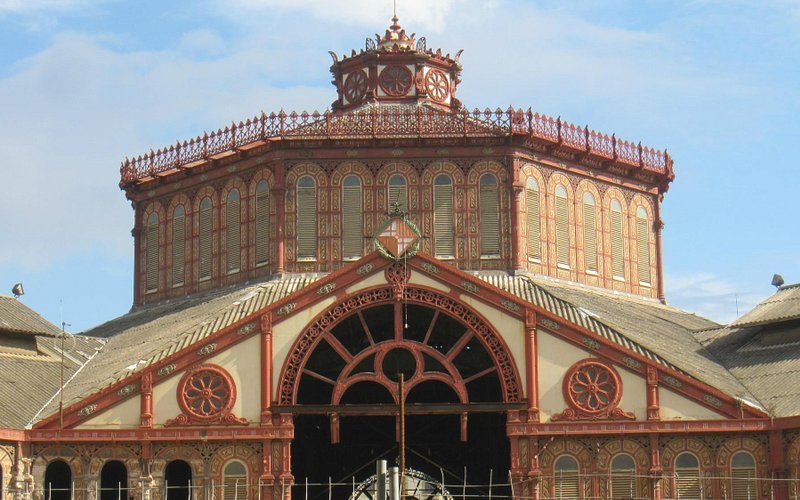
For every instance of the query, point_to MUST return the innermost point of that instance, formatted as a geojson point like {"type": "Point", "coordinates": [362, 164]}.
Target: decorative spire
{"type": "Point", "coordinates": [395, 38]}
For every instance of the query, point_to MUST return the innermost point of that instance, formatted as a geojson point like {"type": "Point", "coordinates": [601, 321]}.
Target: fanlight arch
{"type": "Point", "coordinates": [363, 343]}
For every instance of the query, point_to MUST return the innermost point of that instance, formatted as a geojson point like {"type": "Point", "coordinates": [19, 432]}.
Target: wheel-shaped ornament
{"type": "Point", "coordinates": [395, 80]}
{"type": "Point", "coordinates": [592, 387]}
{"type": "Point", "coordinates": [355, 86]}
{"type": "Point", "coordinates": [206, 392]}
{"type": "Point", "coordinates": [437, 85]}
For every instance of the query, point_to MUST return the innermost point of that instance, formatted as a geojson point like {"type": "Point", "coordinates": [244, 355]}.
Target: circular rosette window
{"type": "Point", "coordinates": [592, 387]}
{"type": "Point", "coordinates": [395, 80]}
{"type": "Point", "coordinates": [206, 392]}
{"type": "Point", "coordinates": [355, 86]}
{"type": "Point", "coordinates": [437, 85]}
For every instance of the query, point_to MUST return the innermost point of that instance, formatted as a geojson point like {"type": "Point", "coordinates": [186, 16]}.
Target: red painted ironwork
{"type": "Point", "coordinates": [437, 85]}
{"type": "Point", "coordinates": [592, 389]}
{"type": "Point", "coordinates": [206, 394]}
{"type": "Point", "coordinates": [355, 86]}
{"type": "Point", "coordinates": [395, 80]}
{"type": "Point", "coordinates": [396, 122]}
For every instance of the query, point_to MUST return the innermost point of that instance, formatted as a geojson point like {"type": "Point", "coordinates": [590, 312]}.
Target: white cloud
{"type": "Point", "coordinates": [709, 296]}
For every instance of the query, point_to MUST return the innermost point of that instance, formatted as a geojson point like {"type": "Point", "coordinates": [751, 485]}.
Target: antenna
{"type": "Point", "coordinates": [394, 8]}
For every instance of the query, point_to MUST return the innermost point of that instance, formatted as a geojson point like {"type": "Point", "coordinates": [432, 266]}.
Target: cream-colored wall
{"type": "Point", "coordinates": [284, 334]}
{"type": "Point", "coordinates": [510, 329]}
{"type": "Point", "coordinates": [124, 415]}
{"type": "Point", "coordinates": [676, 407]}
{"type": "Point", "coordinates": [243, 362]}
{"type": "Point", "coordinates": [417, 278]}
{"type": "Point", "coordinates": [555, 357]}
{"type": "Point", "coordinates": [634, 393]}
{"type": "Point", "coordinates": [165, 400]}
{"type": "Point", "coordinates": [376, 279]}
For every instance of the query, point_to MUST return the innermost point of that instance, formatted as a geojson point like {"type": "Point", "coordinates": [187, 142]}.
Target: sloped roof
{"type": "Point", "coordinates": [655, 330]}
{"type": "Point", "coordinates": [782, 306]}
{"type": "Point", "coordinates": [16, 317]}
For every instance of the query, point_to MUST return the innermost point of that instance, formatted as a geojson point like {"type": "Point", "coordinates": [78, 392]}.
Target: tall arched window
{"type": "Point", "coordinates": [177, 480]}
{"type": "Point", "coordinates": [58, 481]}
{"type": "Point", "coordinates": [617, 244]}
{"type": "Point", "coordinates": [151, 253]}
{"type": "Point", "coordinates": [489, 216]}
{"type": "Point", "coordinates": [566, 482]}
{"type": "Point", "coordinates": [687, 477]}
{"type": "Point", "coordinates": [562, 227]}
{"type": "Point", "coordinates": [234, 481]}
{"type": "Point", "coordinates": [232, 241]}
{"type": "Point", "coordinates": [534, 222]}
{"type": "Point", "coordinates": [352, 233]}
{"type": "Point", "coordinates": [262, 223]}
{"type": "Point", "coordinates": [623, 477]}
{"type": "Point", "coordinates": [205, 240]}
{"type": "Point", "coordinates": [306, 218]}
{"type": "Point", "coordinates": [398, 193]}
{"type": "Point", "coordinates": [743, 477]}
{"type": "Point", "coordinates": [114, 481]}
{"type": "Point", "coordinates": [590, 232]}
{"type": "Point", "coordinates": [443, 216]}
{"type": "Point", "coordinates": [178, 245]}
{"type": "Point", "coordinates": [643, 245]}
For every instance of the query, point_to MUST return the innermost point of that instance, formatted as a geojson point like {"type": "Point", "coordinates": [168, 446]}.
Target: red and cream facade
{"type": "Point", "coordinates": [569, 407]}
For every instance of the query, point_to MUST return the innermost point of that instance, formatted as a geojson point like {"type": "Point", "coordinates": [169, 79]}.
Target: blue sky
{"type": "Point", "coordinates": [85, 83]}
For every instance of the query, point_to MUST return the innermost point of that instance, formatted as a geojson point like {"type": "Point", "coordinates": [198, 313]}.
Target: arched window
{"type": "Point", "coordinates": [743, 477]}
{"type": "Point", "coordinates": [643, 245]}
{"type": "Point", "coordinates": [306, 218]}
{"type": "Point", "coordinates": [232, 241]}
{"type": "Point", "coordinates": [489, 216]}
{"type": "Point", "coordinates": [352, 233]}
{"type": "Point", "coordinates": [590, 232]}
{"type": "Point", "coordinates": [114, 481]}
{"type": "Point", "coordinates": [687, 477]}
{"type": "Point", "coordinates": [623, 477]}
{"type": "Point", "coordinates": [58, 481]}
{"type": "Point", "coordinates": [534, 222]}
{"type": "Point", "coordinates": [562, 227]}
{"type": "Point", "coordinates": [178, 245]}
{"type": "Point", "coordinates": [204, 245]}
{"type": "Point", "coordinates": [177, 481]}
{"type": "Point", "coordinates": [234, 481]}
{"type": "Point", "coordinates": [398, 194]}
{"type": "Point", "coordinates": [262, 223]}
{"type": "Point", "coordinates": [566, 482]}
{"type": "Point", "coordinates": [151, 253]}
{"type": "Point", "coordinates": [443, 216]}
{"type": "Point", "coordinates": [617, 244]}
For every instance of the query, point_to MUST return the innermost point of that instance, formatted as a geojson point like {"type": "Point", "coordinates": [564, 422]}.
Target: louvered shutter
{"type": "Point", "coordinates": [567, 485]}
{"type": "Point", "coordinates": [205, 240]}
{"type": "Point", "coordinates": [643, 244]}
{"type": "Point", "coordinates": [151, 253]}
{"type": "Point", "coordinates": [234, 229]}
{"type": "Point", "coordinates": [743, 483]}
{"type": "Point", "coordinates": [534, 223]}
{"type": "Point", "coordinates": [234, 487]}
{"type": "Point", "coordinates": [398, 194]}
{"type": "Point", "coordinates": [352, 235]}
{"type": "Point", "coordinates": [489, 216]}
{"type": "Point", "coordinates": [562, 228]}
{"type": "Point", "coordinates": [623, 484]}
{"type": "Point", "coordinates": [306, 219]}
{"type": "Point", "coordinates": [443, 216]}
{"type": "Point", "coordinates": [687, 484]}
{"type": "Point", "coordinates": [262, 223]}
{"type": "Point", "coordinates": [617, 252]}
{"type": "Point", "coordinates": [590, 233]}
{"type": "Point", "coordinates": [178, 247]}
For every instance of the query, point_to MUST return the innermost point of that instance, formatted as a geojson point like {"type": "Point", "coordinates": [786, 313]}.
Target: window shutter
{"type": "Point", "coordinates": [617, 253]}
{"type": "Point", "coordinates": [205, 240]}
{"type": "Point", "coordinates": [178, 247]}
{"type": "Point", "coordinates": [567, 485]}
{"type": "Point", "coordinates": [443, 217]}
{"type": "Point", "coordinates": [306, 219]}
{"type": "Point", "coordinates": [743, 484]}
{"type": "Point", "coordinates": [234, 228]}
{"type": "Point", "coordinates": [590, 234]}
{"type": "Point", "coordinates": [623, 484]}
{"type": "Point", "coordinates": [643, 244]}
{"type": "Point", "coordinates": [534, 224]}
{"type": "Point", "coordinates": [687, 484]}
{"type": "Point", "coordinates": [151, 253]}
{"type": "Point", "coordinates": [352, 237]}
{"type": "Point", "coordinates": [234, 487]}
{"type": "Point", "coordinates": [562, 229]}
{"type": "Point", "coordinates": [398, 193]}
{"type": "Point", "coordinates": [489, 216]}
{"type": "Point", "coordinates": [262, 223]}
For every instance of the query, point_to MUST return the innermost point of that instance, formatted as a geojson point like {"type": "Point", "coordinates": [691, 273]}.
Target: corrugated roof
{"type": "Point", "coordinates": [16, 317]}
{"type": "Point", "coordinates": [784, 305]}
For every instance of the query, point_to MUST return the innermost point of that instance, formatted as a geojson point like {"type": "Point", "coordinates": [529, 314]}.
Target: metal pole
{"type": "Point", "coordinates": [330, 488]}
{"type": "Point", "coordinates": [490, 483]}
{"type": "Point", "coordinates": [380, 481]}
{"type": "Point", "coordinates": [511, 483]}
{"type": "Point", "coordinates": [402, 435]}
{"type": "Point", "coordinates": [394, 483]}
{"type": "Point", "coordinates": [464, 489]}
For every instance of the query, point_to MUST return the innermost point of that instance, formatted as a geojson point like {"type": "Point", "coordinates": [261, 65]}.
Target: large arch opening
{"type": "Point", "coordinates": [57, 481]}
{"type": "Point", "coordinates": [177, 480]}
{"type": "Point", "coordinates": [344, 390]}
{"type": "Point", "coordinates": [114, 481]}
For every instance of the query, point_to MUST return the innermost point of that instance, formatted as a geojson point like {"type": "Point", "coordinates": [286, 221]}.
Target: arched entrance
{"type": "Point", "coordinates": [57, 481]}
{"type": "Point", "coordinates": [342, 383]}
{"type": "Point", "coordinates": [114, 481]}
{"type": "Point", "coordinates": [177, 480]}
